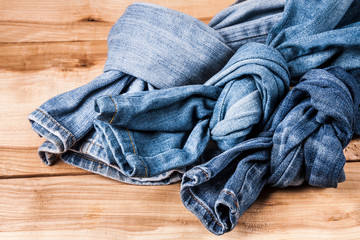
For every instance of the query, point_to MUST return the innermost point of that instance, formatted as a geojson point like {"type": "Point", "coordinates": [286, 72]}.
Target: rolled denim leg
{"type": "Point", "coordinates": [218, 203]}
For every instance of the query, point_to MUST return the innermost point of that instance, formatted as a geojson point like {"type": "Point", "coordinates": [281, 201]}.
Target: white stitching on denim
{"type": "Point", "coordinates": [50, 118]}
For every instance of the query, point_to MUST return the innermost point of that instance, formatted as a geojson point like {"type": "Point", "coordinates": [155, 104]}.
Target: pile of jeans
{"type": "Point", "coordinates": [211, 105]}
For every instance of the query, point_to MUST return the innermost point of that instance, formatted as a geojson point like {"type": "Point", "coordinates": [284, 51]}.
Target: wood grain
{"type": "Point", "coordinates": [16, 162]}
{"type": "Point", "coordinates": [49, 47]}
{"type": "Point", "coordinates": [68, 11]}
{"type": "Point", "coordinates": [81, 20]}
{"type": "Point", "coordinates": [352, 151]}
{"type": "Point", "coordinates": [79, 206]}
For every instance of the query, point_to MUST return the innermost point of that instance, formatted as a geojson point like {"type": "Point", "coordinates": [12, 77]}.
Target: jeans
{"type": "Point", "coordinates": [141, 45]}
{"type": "Point", "coordinates": [302, 141]}
{"type": "Point", "coordinates": [170, 128]}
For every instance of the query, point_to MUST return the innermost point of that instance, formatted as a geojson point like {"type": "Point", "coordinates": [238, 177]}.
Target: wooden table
{"type": "Point", "coordinates": [48, 47]}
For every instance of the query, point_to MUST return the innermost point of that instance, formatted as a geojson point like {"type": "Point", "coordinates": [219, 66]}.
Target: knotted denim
{"type": "Point", "coordinates": [173, 131]}
{"type": "Point", "coordinates": [303, 141]}
{"type": "Point", "coordinates": [149, 47]}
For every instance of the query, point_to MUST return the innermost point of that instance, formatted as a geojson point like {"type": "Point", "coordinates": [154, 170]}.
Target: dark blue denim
{"type": "Point", "coordinates": [149, 47]}
{"type": "Point", "coordinates": [250, 87]}
{"type": "Point", "coordinates": [303, 141]}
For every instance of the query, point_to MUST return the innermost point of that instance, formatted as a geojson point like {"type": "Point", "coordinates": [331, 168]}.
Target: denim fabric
{"type": "Point", "coordinates": [163, 130]}
{"type": "Point", "coordinates": [252, 84]}
{"type": "Point", "coordinates": [303, 141]}
{"type": "Point", "coordinates": [149, 47]}
{"type": "Point", "coordinates": [250, 20]}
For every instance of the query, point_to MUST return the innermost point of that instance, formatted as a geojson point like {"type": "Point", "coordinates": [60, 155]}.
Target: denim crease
{"type": "Point", "coordinates": [141, 45]}
{"type": "Point", "coordinates": [250, 86]}
{"type": "Point", "coordinates": [302, 142]}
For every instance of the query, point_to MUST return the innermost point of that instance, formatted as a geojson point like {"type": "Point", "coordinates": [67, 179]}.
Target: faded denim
{"type": "Point", "coordinates": [303, 141]}
{"type": "Point", "coordinates": [140, 47]}
{"type": "Point", "coordinates": [250, 87]}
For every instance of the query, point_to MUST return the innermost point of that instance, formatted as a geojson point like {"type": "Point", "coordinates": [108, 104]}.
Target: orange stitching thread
{"type": "Point", "coordinates": [131, 140]}
{"type": "Point", "coordinates": [205, 208]}
{"type": "Point", "coordinates": [46, 115]}
{"type": "Point", "coordinates": [233, 195]}
{"type": "Point", "coordinates": [112, 119]}
{"type": "Point", "coordinates": [116, 109]}
{"type": "Point", "coordinates": [133, 146]}
{"type": "Point", "coordinates": [207, 176]}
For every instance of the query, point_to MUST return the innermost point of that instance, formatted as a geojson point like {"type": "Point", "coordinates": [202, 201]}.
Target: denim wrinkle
{"type": "Point", "coordinates": [306, 140]}
{"type": "Point", "coordinates": [149, 47]}
{"type": "Point", "coordinates": [252, 84]}
{"type": "Point", "coordinates": [210, 104]}
{"type": "Point", "coordinates": [302, 142]}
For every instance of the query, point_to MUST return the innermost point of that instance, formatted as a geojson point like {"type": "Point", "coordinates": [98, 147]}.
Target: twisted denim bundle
{"type": "Point", "coordinates": [151, 124]}
{"type": "Point", "coordinates": [148, 133]}
{"type": "Point", "coordinates": [303, 141]}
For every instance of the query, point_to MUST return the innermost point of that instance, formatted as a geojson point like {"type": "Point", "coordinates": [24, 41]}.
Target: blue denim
{"type": "Point", "coordinates": [251, 85]}
{"type": "Point", "coordinates": [149, 47]}
{"type": "Point", "coordinates": [303, 141]}
{"type": "Point", "coordinates": [250, 20]}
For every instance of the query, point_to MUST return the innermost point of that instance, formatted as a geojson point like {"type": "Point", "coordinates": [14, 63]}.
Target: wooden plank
{"type": "Point", "coordinates": [352, 151]}
{"type": "Point", "coordinates": [49, 32]}
{"type": "Point", "coordinates": [49, 21]}
{"type": "Point", "coordinates": [33, 73]}
{"type": "Point", "coordinates": [68, 11]}
{"type": "Point", "coordinates": [76, 207]}
{"type": "Point", "coordinates": [64, 56]}
{"type": "Point", "coordinates": [23, 162]}
{"type": "Point", "coordinates": [11, 32]}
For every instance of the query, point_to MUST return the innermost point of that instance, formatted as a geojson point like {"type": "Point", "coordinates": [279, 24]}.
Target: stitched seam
{"type": "Point", "coordinates": [205, 208]}
{"type": "Point", "coordinates": [116, 109]}
{"type": "Point", "coordinates": [133, 146]}
{"type": "Point", "coordinates": [46, 115]}
{"type": "Point", "coordinates": [207, 176]}
{"type": "Point", "coordinates": [92, 142]}
{"type": "Point", "coordinates": [233, 195]}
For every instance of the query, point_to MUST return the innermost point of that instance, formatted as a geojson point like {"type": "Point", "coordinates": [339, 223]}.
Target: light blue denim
{"type": "Point", "coordinates": [149, 47]}
{"type": "Point", "coordinates": [303, 141]}
{"type": "Point", "coordinates": [250, 87]}
{"type": "Point", "coordinates": [305, 137]}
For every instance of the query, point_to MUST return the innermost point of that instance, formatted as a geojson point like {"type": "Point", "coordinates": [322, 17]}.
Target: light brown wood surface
{"type": "Point", "coordinates": [49, 47]}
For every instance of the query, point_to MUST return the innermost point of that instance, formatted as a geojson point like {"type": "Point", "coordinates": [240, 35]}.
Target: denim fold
{"type": "Point", "coordinates": [252, 84]}
{"type": "Point", "coordinates": [302, 142]}
{"type": "Point", "coordinates": [149, 47]}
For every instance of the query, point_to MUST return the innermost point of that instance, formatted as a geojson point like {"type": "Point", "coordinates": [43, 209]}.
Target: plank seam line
{"type": "Point", "coordinates": [45, 175]}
